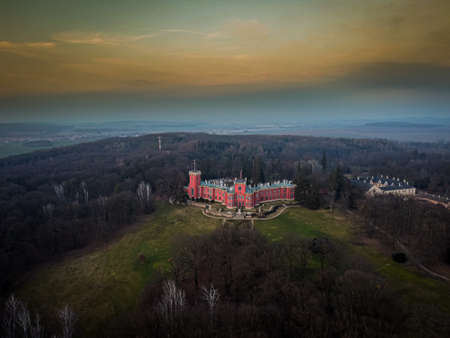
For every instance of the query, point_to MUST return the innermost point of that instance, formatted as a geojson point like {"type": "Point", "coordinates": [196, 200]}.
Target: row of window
{"type": "Point", "coordinates": [248, 197]}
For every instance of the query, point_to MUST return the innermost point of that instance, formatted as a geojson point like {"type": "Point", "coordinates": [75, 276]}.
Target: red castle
{"type": "Point", "coordinates": [236, 192]}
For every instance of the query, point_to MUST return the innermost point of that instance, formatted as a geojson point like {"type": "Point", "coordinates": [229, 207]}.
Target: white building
{"type": "Point", "coordinates": [379, 185]}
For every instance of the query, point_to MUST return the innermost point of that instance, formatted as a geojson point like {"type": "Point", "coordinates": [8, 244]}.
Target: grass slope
{"type": "Point", "coordinates": [305, 223]}
{"type": "Point", "coordinates": [104, 283]}
{"type": "Point", "coordinates": [413, 284]}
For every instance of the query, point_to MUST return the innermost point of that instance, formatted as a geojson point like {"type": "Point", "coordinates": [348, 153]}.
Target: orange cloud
{"type": "Point", "coordinates": [15, 45]}
{"type": "Point", "coordinates": [248, 29]}
{"type": "Point", "coordinates": [86, 38]}
{"type": "Point", "coordinates": [313, 43]}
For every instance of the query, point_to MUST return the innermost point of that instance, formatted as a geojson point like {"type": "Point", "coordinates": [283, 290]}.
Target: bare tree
{"type": "Point", "coordinates": [17, 316]}
{"type": "Point", "coordinates": [294, 254]}
{"type": "Point", "coordinates": [10, 316]}
{"type": "Point", "coordinates": [211, 296]}
{"type": "Point", "coordinates": [36, 330]}
{"type": "Point", "coordinates": [325, 249]}
{"type": "Point", "coordinates": [68, 319]}
{"type": "Point", "coordinates": [59, 191]}
{"type": "Point", "coordinates": [143, 192]}
{"type": "Point", "coordinates": [23, 319]}
{"type": "Point", "coordinates": [85, 191]}
{"type": "Point", "coordinates": [172, 301]}
{"type": "Point", "coordinates": [101, 205]}
{"type": "Point", "coordinates": [48, 210]}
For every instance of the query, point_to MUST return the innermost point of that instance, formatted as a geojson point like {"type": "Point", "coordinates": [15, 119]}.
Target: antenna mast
{"type": "Point", "coordinates": [194, 165]}
{"type": "Point", "coordinates": [159, 143]}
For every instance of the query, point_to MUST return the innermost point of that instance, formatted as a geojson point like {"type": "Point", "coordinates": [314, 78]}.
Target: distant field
{"type": "Point", "coordinates": [17, 148]}
{"type": "Point", "coordinates": [105, 282]}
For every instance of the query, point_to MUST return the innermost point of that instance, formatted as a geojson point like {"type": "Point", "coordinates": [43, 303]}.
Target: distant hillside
{"type": "Point", "coordinates": [399, 124]}
{"type": "Point", "coordinates": [31, 129]}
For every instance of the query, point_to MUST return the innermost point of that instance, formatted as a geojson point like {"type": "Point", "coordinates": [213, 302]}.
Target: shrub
{"type": "Point", "coordinates": [399, 257]}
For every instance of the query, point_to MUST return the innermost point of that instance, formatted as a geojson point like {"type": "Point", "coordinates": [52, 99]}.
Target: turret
{"type": "Point", "coordinates": [194, 184]}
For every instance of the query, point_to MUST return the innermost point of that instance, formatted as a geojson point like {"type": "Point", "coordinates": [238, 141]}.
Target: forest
{"type": "Point", "coordinates": [234, 282]}
{"type": "Point", "coordinates": [55, 201]}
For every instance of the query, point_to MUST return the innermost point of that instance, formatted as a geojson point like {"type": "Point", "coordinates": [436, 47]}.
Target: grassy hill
{"type": "Point", "coordinates": [102, 283]}
{"type": "Point", "coordinates": [105, 282]}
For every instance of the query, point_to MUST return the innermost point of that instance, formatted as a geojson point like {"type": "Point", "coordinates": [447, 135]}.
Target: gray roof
{"type": "Point", "coordinates": [228, 184]}
{"type": "Point", "coordinates": [387, 183]}
{"type": "Point", "coordinates": [270, 185]}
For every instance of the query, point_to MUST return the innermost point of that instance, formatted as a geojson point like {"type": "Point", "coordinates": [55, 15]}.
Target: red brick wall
{"type": "Point", "coordinates": [239, 197]}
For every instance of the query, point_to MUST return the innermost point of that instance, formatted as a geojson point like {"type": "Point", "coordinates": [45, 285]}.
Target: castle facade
{"type": "Point", "coordinates": [236, 193]}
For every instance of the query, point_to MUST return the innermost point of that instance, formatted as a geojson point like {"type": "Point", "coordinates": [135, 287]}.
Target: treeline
{"type": "Point", "coordinates": [236, 283]}
{"type": "Point", "coordinates": [54, 218]}
{"type": "Point", "coordinates": [57, 200]}
{"type": "Point", "coordinates": [325, 189]}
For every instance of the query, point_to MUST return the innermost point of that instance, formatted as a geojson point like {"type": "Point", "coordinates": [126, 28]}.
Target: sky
{"type": "Point", "coordinates": [223, 60]}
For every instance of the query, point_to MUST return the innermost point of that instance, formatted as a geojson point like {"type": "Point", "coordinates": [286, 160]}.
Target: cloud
{"type": "Point", "coordinates": [212, 35]}
{"type": "Point", "coordinates": [215, 35]}
{"type": "Point", "coordinates": [425, 76]}
{"type": "Point", "coordinates": [87, 38]}
{"type": "Point", "coordinates": [177, 30]}
{"type": "Point", "coordinates": [239, 29]}
{"type": "Point", "coordinates": [315, 43]}
{"type": "Point", "coordinates": [17, 45]}
{"type": "Point", "coordinates": [144, 36]}
{"type": "Point", "coordinates": [248, 29]}
{"type": "Point", "coordinates": [98, 38]}
{"type": "Point", "coordinates": [26, 49]}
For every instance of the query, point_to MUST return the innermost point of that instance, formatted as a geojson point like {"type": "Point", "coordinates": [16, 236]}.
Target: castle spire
{"type": "Point", "coordinates": [240, 174]}
{"type": "Point", "coordinates": [194, 165]}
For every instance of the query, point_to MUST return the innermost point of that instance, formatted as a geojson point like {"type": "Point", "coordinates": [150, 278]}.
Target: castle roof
{"type": "Point", "coordinates": [228, 184]}
{"type": "Point", "coordinates": [271, 185]}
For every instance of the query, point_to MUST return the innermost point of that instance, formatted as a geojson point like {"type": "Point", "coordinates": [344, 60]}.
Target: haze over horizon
{"type": "Point", "coordinates": [222, 61]}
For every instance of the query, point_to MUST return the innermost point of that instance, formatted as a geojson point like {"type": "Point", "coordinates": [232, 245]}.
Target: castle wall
{"type": "Point", "coordinates": [240, 196]}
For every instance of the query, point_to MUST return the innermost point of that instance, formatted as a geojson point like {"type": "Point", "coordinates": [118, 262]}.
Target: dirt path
{"type": "Point", "coordinates": [413, 259]}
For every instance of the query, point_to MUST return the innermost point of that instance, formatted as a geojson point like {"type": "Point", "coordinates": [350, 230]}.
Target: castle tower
{"type": "Point", "coordinates": [240, 190]}
{"type": "Point", "coordinates": [194, 183]}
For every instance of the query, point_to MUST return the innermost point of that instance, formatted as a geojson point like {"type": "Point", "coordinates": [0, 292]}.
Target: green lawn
{"type": "Point", "coordinates": [305, 223]}
{"type": "Point", "coordinates": [107, 281]}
